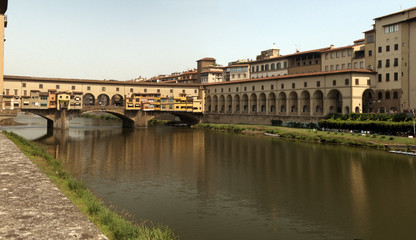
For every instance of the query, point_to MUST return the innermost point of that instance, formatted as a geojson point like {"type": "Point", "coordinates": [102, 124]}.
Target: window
{"type": "Point", "coordinates": [349, 65]}
{"type": "Point", "coordinates": [273, 66]}
{"type": "Point", "coordinates": [370, 53]}
{"type": "Point", "coordinates": [343, 66]}
{"type": "Point", "coordinates": [73, 87]}
{"type": "Point", "coordinates": [387, 95]}
{"type": "Point", "coordinates": [266, 67]}
{"type": "Point", "coordinates": [380, 63]}
{"type": "Point", "coordinates": [396, 62]}
{"type": "Point", "coordinates": [380, 95]}
{"type": "Point", "coordinates": [171, 91]}
{"type": "Point", "coordinates": [283, 86]}
{"type": "Point", "coordinates": [57, 86]}
{"type": "Point", "coordinates": [361, 65]}
{"type": "Point", "coordinates": [326, 68]}
{"type": "Point", "coordinates": [332, 67]}
{"type": "Point", "coordinates": [343, 54]}
{"type": "Point", "coordinates": [357, 81]}
{"type": "Point", "coordinates": [318, 83]}
{"type": "Point", "coordinates": [337, 67]}
{"type": "Point", "coordinates": [334, 82]}
{"type": "Point", "coordinates": [338, 54]}
{"type": "Point", "coordinates": [131, 90]}
{"type": "Point", "coordinates": [262, 87]}
{"type": "Point", "coordinates": [368, 82]}
{"type": "Point", "coordinates": [23, 84]}
{"type": "Point", "coordinates": [387, 77]}
{"type": "Point", "coordinates": [370, 38]}
{"type": "Point", "coordinates": [396, 76]}
{"type": "Point", "coordinates": [285, 64]}
{"type": "Point", "coordinates": [183, 91]}
{"type": "Point", "coordinates": [158, 90]}
{"type": "Point", "coordinates": [40, 86]}
{"type": "Point", "coordinates": [236, 89]}
{"type": "Point", "coordinates": [305, 84]}
{"type": "Point", "coordinates": [272, 86]}
{"type": "Point", "coordinates": [145, 90]}
{"type": "Point", "coordinates": [222, 89]}
{"type": "Point", "coordinates": [257, 68]}
{"type": "Point", "coordinates": [195, 91]}
{"type": "Point", "coordinates": [15, 92]}
{"type": "Point", "coordinates": [391, 28]}
{"type": "Point", "coordinates": [253, 88]}
{"type": "Point", "coordinates": [103, 89]}
{"type": "Point", "coordinates": [380, 78]}
{"type": "Point", "coordinates": [262, 67]}
{"type": "Point", "coordinates": [388, 48]}
{"type": "Point", "coordinates": [380, 49]}
{"type": "Point", "coordinates": [326, 55]}
{"type": "Point", "coordinates": [349, 52]}
{"type": "Point", "coordinates": [245, 88]}
{"type": "Point", "coordinates": [355, 65]}
{"type": "Point", "coordinates": [395, 95]}
{"type": "Point", "coordinates": [88, 88]}
{"type": "Point", "coordinates": [387, 62]}
{"type": "Point", "coordinates": [293, 85]}
{"type": "Point", "coordinates": [332, 55]}
{"type": "Point", "coordinates": [396, 47]}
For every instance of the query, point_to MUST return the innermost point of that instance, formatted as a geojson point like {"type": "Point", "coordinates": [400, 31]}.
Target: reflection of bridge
{"type": "Point", "coordinates": [131, 118]}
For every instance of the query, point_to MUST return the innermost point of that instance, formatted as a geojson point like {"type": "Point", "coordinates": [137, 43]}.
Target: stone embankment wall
{"type": "Point", "coordinates": [252, 119]}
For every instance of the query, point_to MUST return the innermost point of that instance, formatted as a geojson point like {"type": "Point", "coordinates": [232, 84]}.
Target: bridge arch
{"type": "Point", "coordinates": [88, 99]}
{"type": "Point", "coordinates": [103, 99]}
{"type": "Point", "coordinates": [117, 100]}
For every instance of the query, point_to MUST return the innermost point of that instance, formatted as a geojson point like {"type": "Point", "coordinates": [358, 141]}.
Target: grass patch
{"type": "Point", "coordinates": [101, 116]}
{"type": "Point", "coordinates": [113, 223]}
{"type": "Point", "coordinates": [316, 136]}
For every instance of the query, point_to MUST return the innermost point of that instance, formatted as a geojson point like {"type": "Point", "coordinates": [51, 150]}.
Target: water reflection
{"type": "Point", "coordinates": [210, 185]}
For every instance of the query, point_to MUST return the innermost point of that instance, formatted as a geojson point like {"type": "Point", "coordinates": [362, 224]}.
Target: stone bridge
{"type": "Point", "coordinates": [59, 119]}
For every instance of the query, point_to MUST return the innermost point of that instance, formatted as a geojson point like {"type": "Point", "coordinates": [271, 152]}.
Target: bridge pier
{"type": "Point", "coordinates": [61, 119]}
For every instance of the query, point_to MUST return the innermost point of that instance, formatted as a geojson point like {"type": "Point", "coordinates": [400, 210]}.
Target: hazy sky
{"type": "Point", "coordinates": [103, 39]}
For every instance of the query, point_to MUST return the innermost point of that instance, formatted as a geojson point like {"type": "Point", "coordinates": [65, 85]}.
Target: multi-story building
{"type": "Point", "coordinates": [211, 74]}
{"type": "Point", "coordinates": [394, 57]}
{"type": "Point", "coordinates": [236, 72]}
{"type": "Point", "coordinates": [201, 65]}
{"type": "Point", "coordinates": [269, 64]}
{"type": "Point", "coordinates": [348, 57]}
{"type": "Point", "coordinates": [305, 62]}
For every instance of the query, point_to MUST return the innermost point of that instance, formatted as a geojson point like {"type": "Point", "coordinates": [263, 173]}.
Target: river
{"type": "Point", "coordinates": [212, 185]}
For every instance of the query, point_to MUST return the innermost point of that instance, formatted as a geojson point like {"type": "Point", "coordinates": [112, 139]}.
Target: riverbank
{"type": "Point", "coordinates": [115, 224]}
{"type": "Point", "coordinates": [315, 136]}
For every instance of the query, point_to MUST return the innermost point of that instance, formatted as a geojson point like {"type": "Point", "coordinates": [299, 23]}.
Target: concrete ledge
{"type": "Point", "coordinates": [31, 206]}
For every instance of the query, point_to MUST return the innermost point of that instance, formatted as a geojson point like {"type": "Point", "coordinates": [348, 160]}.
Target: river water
{"type": "Point", "coordinates": [212, 185]}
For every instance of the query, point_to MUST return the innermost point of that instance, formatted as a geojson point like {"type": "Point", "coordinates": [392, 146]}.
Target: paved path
{"type": "Point", "coordinates": [31, 206]}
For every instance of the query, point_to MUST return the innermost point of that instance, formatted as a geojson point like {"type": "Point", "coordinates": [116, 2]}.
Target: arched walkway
{"type": "Point", "coordinates": [103, 100]}
{"type": "Point", "coordinates": [282, 103]}
{"type": "Point", "coordinates": [208, 104]}
{"type": "Point", "coordinates": [253, 103]}
{"type": "Point", "coordinates": [88, 99]}
{"type": "Point", "coordinates": [244, 103]}
{"type": "Point", "coordinates": [215, 104]}
{"type": "Point", "coordinates": [318, 103]}
{"type": "Point", "coordinates": [368, 101]}
{"type": "Point", "coordinates": [222, 104]}
{"type": "Point", "coordinates": [237, 103]}
{"type": "Point", "coordinates": [272, 103]}
{"type": "Point", "coordinates": [262, 103]}
{"type": "Point", "coordinates": [305, 102]}
{"type": "Point", "coordinates": [293, 103]}
{"type": "Point", "coordinates": [334, 101]}
{"type": "Point", "coordinates": [229, 104]}
{"type": "Point", "coordinates": [117, 100]}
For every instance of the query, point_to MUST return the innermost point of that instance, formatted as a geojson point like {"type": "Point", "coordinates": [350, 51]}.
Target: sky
{"type": "Point", "coordinates": [125, 39]}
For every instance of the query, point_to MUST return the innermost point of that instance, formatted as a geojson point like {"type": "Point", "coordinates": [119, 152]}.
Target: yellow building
{"type": "Point", "coordinates": [63, 100]}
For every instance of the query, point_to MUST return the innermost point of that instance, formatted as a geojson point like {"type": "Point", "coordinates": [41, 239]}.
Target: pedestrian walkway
{"type": "Point", "coordinates": [31, 206]}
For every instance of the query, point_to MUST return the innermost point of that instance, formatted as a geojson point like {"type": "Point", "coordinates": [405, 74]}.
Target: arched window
{"type": "Point", "coordinates": [273, 66]}
{"type": "Point", "coordinates": [279, 66]}
{"type": "Point", "coordinates": [387, 95]}
{"type": "Point", "coordinates": [266, 67]}
{"type": "Point", "coordinates": [380, 95]}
